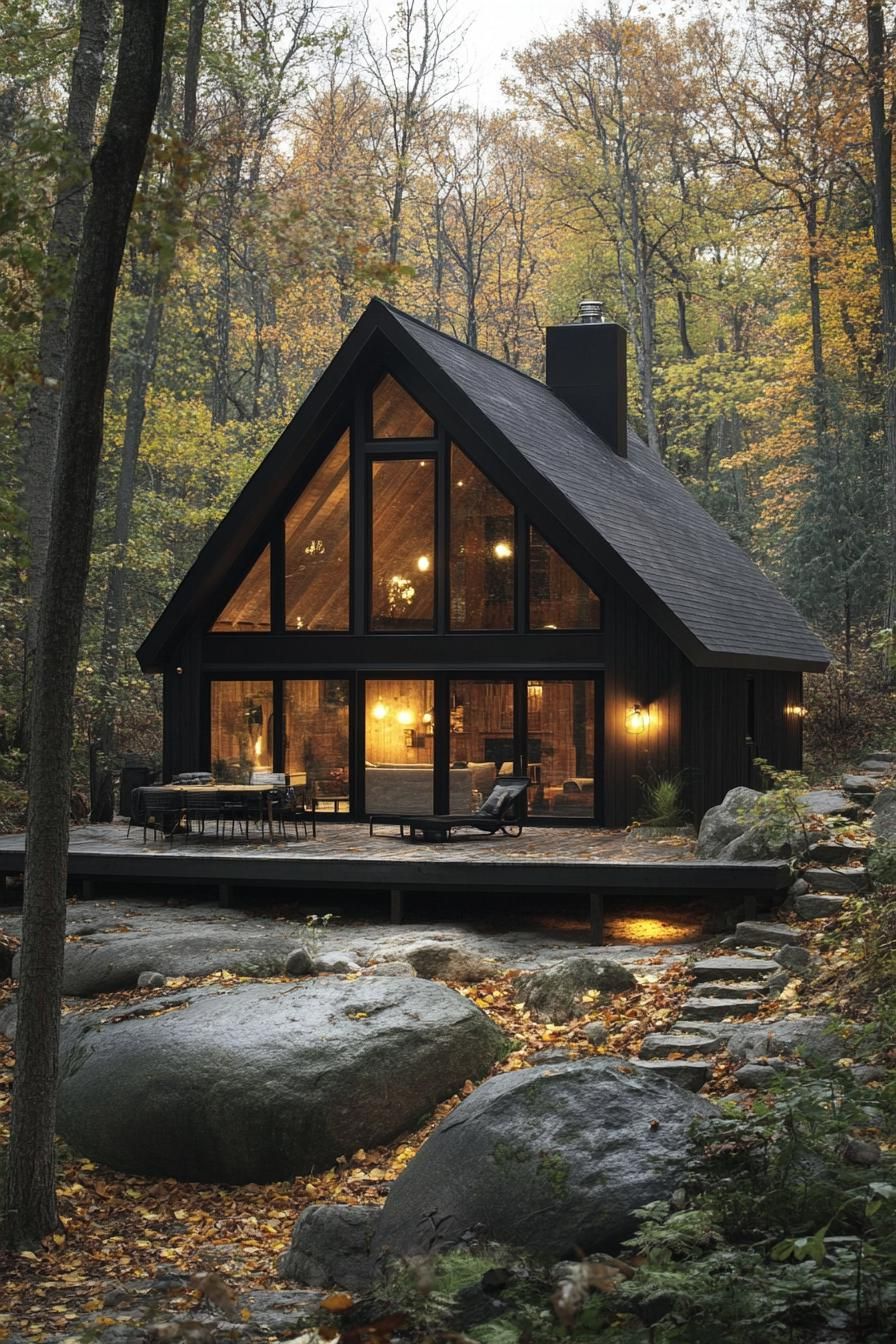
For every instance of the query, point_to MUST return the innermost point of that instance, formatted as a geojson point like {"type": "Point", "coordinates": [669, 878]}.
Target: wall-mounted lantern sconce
{"type": "Point", "coordinates": [637, 720]}
{"type": "Point", "coordinates": [796, 711]}
{"type": "Point", "coordinates": [179, 671]}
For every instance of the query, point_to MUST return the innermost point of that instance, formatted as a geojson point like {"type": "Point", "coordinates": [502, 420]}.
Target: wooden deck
{"type": "Point", "coordinates": [591, 862]}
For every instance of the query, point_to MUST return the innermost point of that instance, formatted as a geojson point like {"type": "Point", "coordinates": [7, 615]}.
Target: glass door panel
{"type": "Point", "coordinates": [560, 748]}
{"type": "Point", "coordinates": [316, 735]}
{"type": "Point", "coordinates": [481, 740]}
{"type": "Point", "coordinates": [242, 721]}
{"type": "Point", "coordinates": [399, 722]}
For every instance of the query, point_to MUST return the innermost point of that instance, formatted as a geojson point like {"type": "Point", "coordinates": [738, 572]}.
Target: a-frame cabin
{"type": "Point", "coordinates": [445, 569]}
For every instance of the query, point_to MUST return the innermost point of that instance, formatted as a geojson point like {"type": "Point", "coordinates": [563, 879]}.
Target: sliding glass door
{"type": "Point", "coordinates": [440, 744]}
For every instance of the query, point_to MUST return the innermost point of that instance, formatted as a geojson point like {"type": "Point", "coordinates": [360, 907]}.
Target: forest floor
{"type": "Point", "coordinates": [117, 1229]}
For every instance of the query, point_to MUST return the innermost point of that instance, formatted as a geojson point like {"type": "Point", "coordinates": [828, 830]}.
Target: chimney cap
{"type": "Point", "coordinates": [590, 310]}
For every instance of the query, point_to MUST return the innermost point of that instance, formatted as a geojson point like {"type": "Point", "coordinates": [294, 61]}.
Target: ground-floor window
{"type": "Point", "coordinates": [415, 744]}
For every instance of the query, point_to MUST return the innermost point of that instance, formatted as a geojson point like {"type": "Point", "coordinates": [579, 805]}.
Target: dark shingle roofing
{"type": "Point", "coordinates": [631, 513]}
{"type": "Point", "coordinates": [639, 507]}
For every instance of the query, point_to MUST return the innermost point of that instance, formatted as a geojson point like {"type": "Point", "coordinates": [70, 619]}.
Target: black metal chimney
{"type": "Point", "coordinates": [586, 367]}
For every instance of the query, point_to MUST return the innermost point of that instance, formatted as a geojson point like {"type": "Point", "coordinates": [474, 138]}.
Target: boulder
{"type": "Point", "coordinates": [555, 994]}
{"type": "Point", "coordinates": [445, 961]}
{"type": "Point", "coordinates": [330, 1247]}
{"type": "Point", "coordinates": [808, 1037]}
{"type": "Point", "coordinates": [884, 809]}
{"type": "Point", "coordinates": [299, 962]}
{"type": "Point", "coordinates": [819, 906]}
{"type": "Point", "coordinates": [595, 1032]}
{"type": "Point", "coordinates": [844, 880]}
{"type": "Point", "coordinates": [554, 1160]}
{"type": "Point", "coordinates": [792, 958]}
{"type": "Point", "coordinates": [334, 963]}
{"type": "Point", "coordinates": [105, 962]}
{"type": "Point", "coordinates": [724, 823]}
{"type": "Point", "coordinates": [262, 1082]}
{"type": "Point", "coordinates": [749, 932]}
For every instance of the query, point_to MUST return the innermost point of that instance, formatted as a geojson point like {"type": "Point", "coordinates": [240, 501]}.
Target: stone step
{"type": "Point", "coordinates": [840, 880]}
{"type": "Point", "coordinates": [818, 905]}
{"type": "Point", "coordinates": [732, 989]}
{"type": "Point", "coordinates": [733, 968]}
{"type": "Point", "coordinates": [837, 851]}
{"type": "Point", "coordinates": [750, 931]}
{"type": "Point", "coordinates": [660, 1045]}
{"type": "Point", "coordinates": [711, 1010]}
{"type": "Point", "coordinates": [690, 1074]}
{"type": "Point", "coordinates": [712, 1030]}
{"type": "Point", "coordinates": [861, 787]}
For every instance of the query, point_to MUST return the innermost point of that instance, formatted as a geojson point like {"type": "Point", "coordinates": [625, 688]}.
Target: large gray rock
{"type": "Point", "coordinates": [330, 1247]}
{"type": "Point", "coordinates": [555, 994]}
{"type": "Point", "coordinates": [444, 961]}
{"type": "Point", "coordinates": [808, 1037]}
{"type": "Point", "coordinates": [105, 962]}
{"type": "Point", "coordinates": [552, 1159]}
{"type": "Point", "coordinates": [861, 786]}
{"type": "Point", "coordinates": [884, 809]}
{"type": "Point", "coordinates": [264, 1081]}
{"type": "Point", "coordinates": [724, 823]}
{"type": "Point", "coordinates": [729, 833]}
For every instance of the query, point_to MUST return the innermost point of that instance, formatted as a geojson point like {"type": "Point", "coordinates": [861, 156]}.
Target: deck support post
{"type": "Point", "coordinates": [597, 918]}
{"type": "Point", "coordinates": [225, 895]}
{"type": "Point", "coordinates": [88, 889]}
{"type": "Point", "coordinates": [396, 906]}
{"type": "Point", "coordinates": [751, 905]}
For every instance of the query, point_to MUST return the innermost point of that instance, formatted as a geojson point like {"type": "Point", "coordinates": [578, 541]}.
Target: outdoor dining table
{"type": "Point", "coordinates": [265, 792]}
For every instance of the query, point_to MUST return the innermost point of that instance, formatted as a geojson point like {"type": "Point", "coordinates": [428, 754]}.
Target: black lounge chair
{"type": "Point", "coordinates": [502, 811]}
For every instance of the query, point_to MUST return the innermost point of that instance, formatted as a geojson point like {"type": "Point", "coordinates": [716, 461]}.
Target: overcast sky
{"type": "Point", "coordinates": [496, 27]}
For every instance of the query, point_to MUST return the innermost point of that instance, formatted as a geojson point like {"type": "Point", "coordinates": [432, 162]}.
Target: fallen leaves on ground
{"type": "Point", "coordinates": [116, 1228]}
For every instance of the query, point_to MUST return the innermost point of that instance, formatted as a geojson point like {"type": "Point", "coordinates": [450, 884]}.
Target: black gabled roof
{"type": "Point", "coordinates": [640, 522]}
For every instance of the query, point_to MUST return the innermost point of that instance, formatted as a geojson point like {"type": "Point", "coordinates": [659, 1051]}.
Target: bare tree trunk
{"type": "Point", "coordinates": [62, 247]}
{"type": "Point", "coordinates": [30, 1197]}
{"type": "Point", "coordinates": [141, 376]}
{"type": "Point", "coordinates": [882, 156]}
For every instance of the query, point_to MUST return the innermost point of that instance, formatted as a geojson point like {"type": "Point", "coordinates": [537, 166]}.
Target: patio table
{"type": "Point", "coordinates": [265, 792]}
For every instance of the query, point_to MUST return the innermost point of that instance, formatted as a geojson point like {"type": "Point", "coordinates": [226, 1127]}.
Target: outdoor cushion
{"type": "Point", "coordinates": [496, 801]}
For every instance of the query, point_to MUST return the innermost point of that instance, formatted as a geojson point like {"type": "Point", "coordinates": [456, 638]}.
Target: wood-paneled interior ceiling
{"type": "Point", "coordinates": [317, 530]}
{"type": "Point", "coordinates": [249, 609]}
{"type": "Point", "coordinates": [396, 415]}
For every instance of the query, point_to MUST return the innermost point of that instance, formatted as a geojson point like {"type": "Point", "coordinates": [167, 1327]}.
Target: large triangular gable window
{"type": "Point", "coordinates": [317, 548]}
{"type": "Point", "coordinates": [396, 415]}
{"type": "Point", "coordinates": [249, 609]}
{"type": "Point", "coordinates": [558, 598]}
